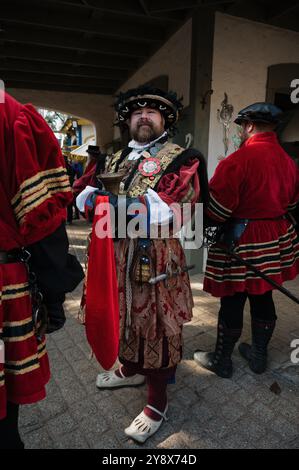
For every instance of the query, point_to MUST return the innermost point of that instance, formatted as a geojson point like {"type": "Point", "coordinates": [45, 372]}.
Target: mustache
{"type": "Point", "coordinates": [143, 122]}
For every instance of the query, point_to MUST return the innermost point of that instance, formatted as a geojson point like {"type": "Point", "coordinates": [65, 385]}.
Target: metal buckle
{"type": "Point", "coordinates": [25, 256]}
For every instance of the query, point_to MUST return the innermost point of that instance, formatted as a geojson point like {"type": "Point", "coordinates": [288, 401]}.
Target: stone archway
{"type": "Point", "coordinates": [96, 108]}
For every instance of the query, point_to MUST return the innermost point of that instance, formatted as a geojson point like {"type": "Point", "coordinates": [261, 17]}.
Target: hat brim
{"type": "Point", "coordinates": [253, 119]}
{"type": "Point", "coordinates": [161, 104]}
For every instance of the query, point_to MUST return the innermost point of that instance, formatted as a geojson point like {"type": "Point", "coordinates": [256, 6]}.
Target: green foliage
{"type": "Point", "coordinates": [53, 118]}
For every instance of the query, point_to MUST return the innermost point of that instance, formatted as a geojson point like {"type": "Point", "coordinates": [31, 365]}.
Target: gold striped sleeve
{"type": "Point", "coordinates": [215, 209]}
{"type": "Point", "coordinates": [15, 291]}
{"type": "Point", "coordinates": [37, 189]}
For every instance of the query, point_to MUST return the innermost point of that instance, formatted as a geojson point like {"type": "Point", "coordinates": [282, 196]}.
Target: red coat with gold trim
{"type": "Point", "coordinates": [34, 193]}
{"type": "Point", "coordinates": [260, 182]}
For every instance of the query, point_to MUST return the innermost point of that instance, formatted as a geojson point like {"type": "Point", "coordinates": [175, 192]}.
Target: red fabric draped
{"type": "Point", "coordinates": [102, 309]}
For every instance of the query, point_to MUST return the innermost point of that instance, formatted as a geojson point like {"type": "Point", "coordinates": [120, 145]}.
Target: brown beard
{"type": "Point", "coordinates": [244, 137]}
{"type": "Point", "coordinates": [145, 134]}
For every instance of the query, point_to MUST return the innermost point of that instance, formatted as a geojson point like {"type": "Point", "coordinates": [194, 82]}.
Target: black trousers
{"type": "Point", "coordinates": [70, 213]}
{"type": "Point", "coordinates": [9, 430]}
{"type": "Point", "coordinates": [232, 307]}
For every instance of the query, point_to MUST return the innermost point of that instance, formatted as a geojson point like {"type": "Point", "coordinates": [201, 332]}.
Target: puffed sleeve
{"type": "Point", "coordinates": [42, 190]}
{"type": "Point", "coordinates": [225, 188]}
{"type": "Point", "coordinates": [181, 186]}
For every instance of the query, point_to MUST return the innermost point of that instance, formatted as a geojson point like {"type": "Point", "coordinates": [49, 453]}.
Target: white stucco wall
{"type": "Point", "coordinates": [172, 59]}
{"type": "Point", "coordinates": [88, 132]}
{"type": "Point", "coordinates": [95, 108]}
{"type": "Point", "coordinates": [243, 50]}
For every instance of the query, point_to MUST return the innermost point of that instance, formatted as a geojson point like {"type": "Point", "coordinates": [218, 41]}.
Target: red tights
{"type": "Point", "coordinates": [156, 386]}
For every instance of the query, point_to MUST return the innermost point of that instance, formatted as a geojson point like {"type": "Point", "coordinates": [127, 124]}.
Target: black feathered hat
{"type": "Point", "coordinates": [167, 103]}
{"type": "Point", "coordinates": [260, 112]}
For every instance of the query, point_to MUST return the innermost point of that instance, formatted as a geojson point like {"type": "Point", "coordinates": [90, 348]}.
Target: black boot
{"type": "Point", "coordinates": [256, 354]}
{"type": "Point", "coordinates": [220, 361]}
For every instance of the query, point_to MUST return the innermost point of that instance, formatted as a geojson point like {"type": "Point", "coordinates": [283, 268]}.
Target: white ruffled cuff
{"type": "Point", "coordinates": [81, 198]}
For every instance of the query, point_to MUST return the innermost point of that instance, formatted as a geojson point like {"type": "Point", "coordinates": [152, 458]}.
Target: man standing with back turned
{"type": "Point", "coordinates": [254, 189]}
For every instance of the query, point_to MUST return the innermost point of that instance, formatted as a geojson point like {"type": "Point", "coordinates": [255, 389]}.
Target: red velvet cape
{"type": "Point", "coordinates": [102, 309]}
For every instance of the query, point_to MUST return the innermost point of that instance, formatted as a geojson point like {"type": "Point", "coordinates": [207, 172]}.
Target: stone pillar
{"type": "Point", "coordinates": [203, 27]}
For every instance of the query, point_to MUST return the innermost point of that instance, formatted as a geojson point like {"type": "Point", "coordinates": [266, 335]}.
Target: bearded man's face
{"type": "Point", "coordinates": [146, 124]}
{"type": "Point", "coordinates": [245, 131]}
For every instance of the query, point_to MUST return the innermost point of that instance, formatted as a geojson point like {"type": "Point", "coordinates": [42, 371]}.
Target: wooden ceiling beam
{"type": "Point", "coordinates": [20, 66]}
{"type": "Point", "coordinates": [43, 17]}
{"type": "Point", "coordinates": [44, 38]}
{"type": "Point", "coordinates": [64, 57]}
{"type": "Point", "coordinates": [51, 87]}
{"type": "Point", "coordinates": [13, 75]}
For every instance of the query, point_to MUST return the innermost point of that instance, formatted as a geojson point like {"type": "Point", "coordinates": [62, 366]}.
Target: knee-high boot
{"type": "Point", "coordinates": [256, 354]}
{"type": "Point", "coordinates": [220, 360]}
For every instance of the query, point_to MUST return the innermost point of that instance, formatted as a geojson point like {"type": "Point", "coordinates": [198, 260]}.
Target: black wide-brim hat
{"type": "Point", "coordinates": [260, 112]}
{"type": "Point", "coordinates": [166, 103]}
{"type": "Point", "coordinates": [93, 150]}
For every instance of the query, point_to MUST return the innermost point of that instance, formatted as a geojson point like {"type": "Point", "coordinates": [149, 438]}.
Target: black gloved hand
{"type": "Point", "coordinates": [56, 317]}
{"type": "Point", "coordinates": [119, 203]}
{"type": "Point", "coordinates": [100, 192]}
{"type": "Point", "coordinates": [90, 202]}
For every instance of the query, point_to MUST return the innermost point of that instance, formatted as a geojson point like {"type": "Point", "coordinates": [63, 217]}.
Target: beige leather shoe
{"type": "Point", "coordinates": [144, 427]}
{"type": "Point", "coordinates": [109, 379]}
